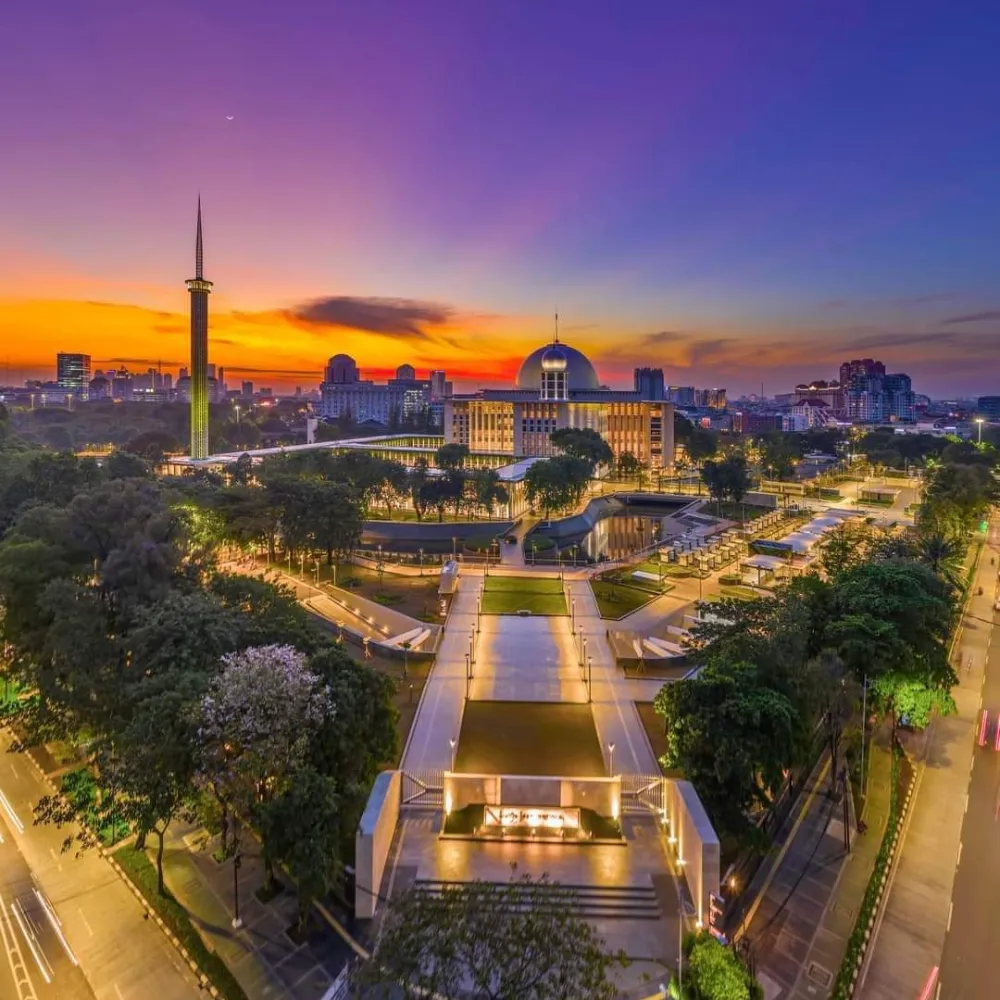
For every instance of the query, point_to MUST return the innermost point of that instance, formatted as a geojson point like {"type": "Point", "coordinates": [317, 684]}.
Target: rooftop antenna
{"type": "Point", "coordinates": [556, 341]}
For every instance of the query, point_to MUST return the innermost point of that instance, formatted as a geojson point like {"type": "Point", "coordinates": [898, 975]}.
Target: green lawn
{"type": "Point", "coordinates": [620, 599]}
{"type": "Point", "coordinates": [507, 595]}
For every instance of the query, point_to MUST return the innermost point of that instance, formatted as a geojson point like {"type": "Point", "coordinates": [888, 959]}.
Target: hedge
{"type": "Point", "coordinates": [142, 873]}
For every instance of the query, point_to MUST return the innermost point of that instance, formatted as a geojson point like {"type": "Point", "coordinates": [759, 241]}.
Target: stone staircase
{"type": "Point", "coordinates": [608, 902]}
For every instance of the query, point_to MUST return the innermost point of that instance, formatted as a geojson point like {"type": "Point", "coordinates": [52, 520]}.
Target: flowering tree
{"type": "Point", "coordinates": [255, 725]}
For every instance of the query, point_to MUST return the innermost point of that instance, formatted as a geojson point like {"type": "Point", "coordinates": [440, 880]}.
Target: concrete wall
{"type": "Point", "coordinates": [372, 840]}
{"type": "Point", "coordinates": [603, 795]}
{"type": "Point", "coordinates": [694, 841]}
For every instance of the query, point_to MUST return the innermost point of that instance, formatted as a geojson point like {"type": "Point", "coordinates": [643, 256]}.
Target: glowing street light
{"type": "Point", "coordinates": [452, 743]}
{"type": "Point", "coordinates": [611, 758]}
{"type": "Point", "coordinates": [979, 421]}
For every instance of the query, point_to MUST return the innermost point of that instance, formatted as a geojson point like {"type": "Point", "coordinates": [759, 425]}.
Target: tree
{"type": "Point", "coordinates": [335, 523]}
{"type": "Point", "coordinates": [364, 739]}
{"type": "Point", "coordinates": [732, 737]}
{"type": "Point", "coordinates": [941, 554]}
{"type": "Point", "coordinates": [451, 456]}
{"type": "Point", "coordinates": [702, 443]}
{"type": "Point", "coordinates": [122, 465]}
{"type": "Point", "coordinates": [583, 443]}
{"type": "Point", "coordinates": [254, 728]}
{"type": "Point", "coordinates": [487, 490]}
{"type": "Point", "coordinates": [628, 465]}
{"type": "Point", "coordinates": [713, 972]}
{"type": "Point", "coordinates": [392, 484]}
{"type": "Point", "coordinates": [522, 940]}
{"type": "Point", "coordinates": [301, 826]}
{"type": "Point", "coordinates": [556, 482]}
{"type": "Point", "coordinates": [727, 478]}
{"type": "Point", "coordinates": [417, 481]}
{"type": "Point", "coordinates": [153, 445]}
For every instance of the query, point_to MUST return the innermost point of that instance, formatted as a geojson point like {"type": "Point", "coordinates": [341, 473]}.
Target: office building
{"type": "Point", "coordinates": [558, 387]}
{"type": "Point", "coordinates": [752, 422]}
{"type": "Point", "coordinates": [648, 382]}
{"type": "Point", "coordinates": [864, 366]}
{"type": "Point", "coordinates": [681, 395]}
{"type": "Point", "coordinates": [345, 395]}
{"type": "Point", "coordinates": [73, 371]}
{"type": "Point", "coordinates": [246, 390]}
{"type": "Point", "coordinates": [988, 407]}
{"type": "Point", "coordinates": [710, 399]}
{"type": "Point", "coordinates": [199, 290]}
{"type": "Point", "coordinates": [900, 398]}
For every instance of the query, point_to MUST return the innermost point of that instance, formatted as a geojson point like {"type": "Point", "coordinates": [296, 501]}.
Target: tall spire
{"type": "Point", "coordinates": [199, 271]}
{"type": "Point", "coordinates": [556, 340]}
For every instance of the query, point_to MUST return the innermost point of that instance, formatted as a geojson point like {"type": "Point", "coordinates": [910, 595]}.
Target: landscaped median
{"type": "Point", "coordinates": [141, 872]}
{"type": "Point", "coordinates": [857, 943]}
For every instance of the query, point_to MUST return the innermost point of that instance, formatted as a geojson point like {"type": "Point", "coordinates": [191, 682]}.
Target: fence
{"type": "Point", "coordinates": [642, 793]}
{"type": "Point", "coordinates": [423, 789]}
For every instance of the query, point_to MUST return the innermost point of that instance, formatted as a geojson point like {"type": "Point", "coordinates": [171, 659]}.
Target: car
{"type": "Point", "coordinates": [996, 607]}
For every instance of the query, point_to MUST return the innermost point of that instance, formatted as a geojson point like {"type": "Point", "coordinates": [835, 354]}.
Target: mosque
{"type": "Point", "coordinates": [557, 386]}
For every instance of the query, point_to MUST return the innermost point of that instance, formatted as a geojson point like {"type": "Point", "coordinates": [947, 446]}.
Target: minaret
{"type": "Point", "coordinates": [199, 289]}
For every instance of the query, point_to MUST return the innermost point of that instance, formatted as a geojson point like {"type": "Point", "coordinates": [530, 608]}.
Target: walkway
{"type": "Point", "coordinates": [615, 715]}
{"type": "Point", "coordinates": [911, 936]}
{"type": "Point", "coordinates": [264, 959]}
{"type": "Point", "coordinates": [812, 891]}
{"type": "Point", "coordinates": [439, 715]}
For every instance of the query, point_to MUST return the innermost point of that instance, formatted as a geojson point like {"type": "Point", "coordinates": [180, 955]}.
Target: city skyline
{"type": "Point", "coordinates": [738, 200]}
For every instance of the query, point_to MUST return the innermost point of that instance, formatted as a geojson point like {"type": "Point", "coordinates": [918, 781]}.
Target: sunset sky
{"type": "Point", "coordinates": [741, 193]}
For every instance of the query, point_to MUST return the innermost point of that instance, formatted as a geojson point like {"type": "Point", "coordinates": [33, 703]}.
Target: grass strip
{"type": "Point", "coordinates": [142, 873]}
{"type": "Point", "coordinates": [843, 986]}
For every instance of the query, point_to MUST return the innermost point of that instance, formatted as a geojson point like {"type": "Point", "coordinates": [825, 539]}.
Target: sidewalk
{"type": "Point", "coordinates": [267, 963]}
{"type": "Point", "coordinates": [909, 939]}
{"type": "Point", "coordinates": [812, 894]}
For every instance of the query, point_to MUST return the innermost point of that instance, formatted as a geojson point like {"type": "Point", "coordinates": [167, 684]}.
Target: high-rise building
{"type": "Point", "coordinates": [900, 399]}
{"type": "Point", "coordinates": [711, 399]}
{"type": "Point", "coordinates": [862, 366]}
{"type": "Point", "coordinates": [649, 383]}
{"type": "Point", "coordinates": [406, 373]}
{"type": "Point", "coordinates": [681, 395]}
{"type": "Point", "coordinates": [341, 369]}
{"type": "Point", "coordinates": [199, 289]}
{"type": "Point", "coordinates": [439, 384]}
{"type": "Point", "coordinates": [246, 390]}
{"type": "Point", "coordinates": [73, 371]}
{"type": "Point", "coordinates": [988, 407]}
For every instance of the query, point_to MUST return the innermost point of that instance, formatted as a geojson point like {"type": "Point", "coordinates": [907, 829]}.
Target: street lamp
{"type": "Point", "coordinates": [979, 421]}
{"type": "Point", "coordinates": [452, 744]}
{"type": "Point", "coordinates": [421, 561]}
{"type": "Point", "coordinates": [590, 678]}
{"type": "Point", "coordinates": [572, 615]}
{"type": "Point", "coordinates": [611, 759]}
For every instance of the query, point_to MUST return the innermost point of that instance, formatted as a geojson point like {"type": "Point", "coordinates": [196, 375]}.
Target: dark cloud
{"type": "Point", "coordinates": [973, 317]}
{"type": "Point", "coordinates": [396, 317]}
{"type": "Point", "coordinates": [878, 341]}
{"type": "Point", "coordinates": [148, 362]}
{"type": "Point", "coordinates": [702, 350]}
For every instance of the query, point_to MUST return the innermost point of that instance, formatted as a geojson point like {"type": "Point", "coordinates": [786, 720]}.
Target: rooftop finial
{"type": "Point", "coordinates": [198, 252]}
{"type": "Point", "coordinates": [556, 341]}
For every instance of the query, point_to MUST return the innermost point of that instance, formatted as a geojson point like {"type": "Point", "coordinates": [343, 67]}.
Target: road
{"type": "Point", "coordinates": [972, 942]}
{"type": "Point", "coordinates": [59, 910]}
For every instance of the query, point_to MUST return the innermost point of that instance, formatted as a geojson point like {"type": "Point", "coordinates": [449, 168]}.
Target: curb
{"type": "Point", "coordinates": [204, 983]}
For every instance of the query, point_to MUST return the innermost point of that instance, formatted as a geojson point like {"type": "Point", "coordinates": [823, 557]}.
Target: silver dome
{"type": "Point", "coordinates": [580, 372]}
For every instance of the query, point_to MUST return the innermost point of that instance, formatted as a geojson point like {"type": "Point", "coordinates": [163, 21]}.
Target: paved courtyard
{"type": "Point", "coordinates": [527, 659]}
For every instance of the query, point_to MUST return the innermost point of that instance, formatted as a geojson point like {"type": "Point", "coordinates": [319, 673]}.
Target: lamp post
{"type": "Point", "coordinates": [237, 861]}
{"type": "Point", "coordinates": [611, 759]}
{"type": "Point", "coordinates": [421, 561]}
{"type": "Point", "coordinates": [452, 744]}
{"type": "Point", "coordinates": [590, 678]}
{"type": "Point", "coordinates": [472, 643]}
{"type": "Point", "coordinates": [572, 615]}
{"type": "Point", "coordinates": [979, 422]}
{"type": "Point", "coordinates": [454, 543]}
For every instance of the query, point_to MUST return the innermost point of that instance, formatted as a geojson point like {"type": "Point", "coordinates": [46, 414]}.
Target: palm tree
{"type": "Point", "coordinates": [943, 555]}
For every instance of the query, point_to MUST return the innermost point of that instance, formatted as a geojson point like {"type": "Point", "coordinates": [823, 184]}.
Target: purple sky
{"type": "Point", "coordinates": [738, 192]}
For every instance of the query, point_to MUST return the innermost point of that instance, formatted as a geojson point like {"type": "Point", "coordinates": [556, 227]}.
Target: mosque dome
{"type": "Point", "coordinates": [554, 359]}
{"type": "Point", "coordinates": [580, 373]}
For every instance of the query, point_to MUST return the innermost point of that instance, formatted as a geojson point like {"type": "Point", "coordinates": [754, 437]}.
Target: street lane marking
{"type": "Point", "coordinates": [958, 860]}
{"type": "Point", "coordinates": [14, 770]}
{"type": "Point", "coordinates": [118, 991]}
{"type": "Point", "coordinates": [951, 907]}
{"type": "Point", "coordinates": [12, 816]}
{"type": "Point", "coordinates": [56, 925]}
{"type": "Point", "coordinates": [86, 922]}
{"type": "Point", "coordinates": [29, 936]}
{"type": "Point", "coordinates": [18, 969]}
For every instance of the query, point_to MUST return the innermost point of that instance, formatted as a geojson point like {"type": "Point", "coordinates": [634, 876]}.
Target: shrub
{"type": "Point", "coordinates": [540, 543]}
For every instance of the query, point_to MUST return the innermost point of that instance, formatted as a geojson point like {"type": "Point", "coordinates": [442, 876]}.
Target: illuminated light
{"type": "Point", "coordinates": [447, 803]}
{"type": "Point", "coordinates": [982, 728]}
{"type": "Point", "coordinates": [672, 839]}
{"type": "Point", "coordinates": [699, 924]}
{"type": "Point", "coordinates": [929, 985]}
{"type": "Point", "coordinates": [996, 742]}
{"type": "Point", "coordinates": [682, 862]}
